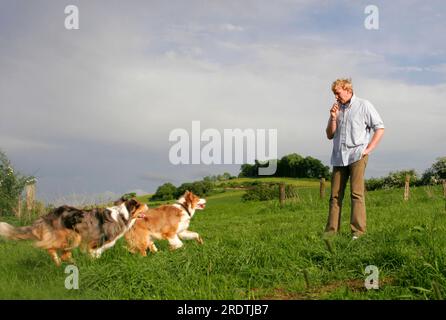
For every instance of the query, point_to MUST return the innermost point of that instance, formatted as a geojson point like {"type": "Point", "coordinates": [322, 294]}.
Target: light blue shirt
{"type": "Point", "coordinates": [353, 131]}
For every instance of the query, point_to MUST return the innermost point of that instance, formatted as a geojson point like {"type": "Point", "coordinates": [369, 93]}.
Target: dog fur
{"type": "Point", "coordinates": [168, 222]}
{"type": "Point", "coordinates": [66, 228]}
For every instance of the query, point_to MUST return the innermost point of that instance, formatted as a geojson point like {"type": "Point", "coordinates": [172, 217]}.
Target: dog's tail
{"type": "Point", "coordinates": [16, 233]}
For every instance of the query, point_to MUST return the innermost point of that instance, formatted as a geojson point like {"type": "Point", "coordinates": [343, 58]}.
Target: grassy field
{"type": "Point", "coordinates": [257, 250]}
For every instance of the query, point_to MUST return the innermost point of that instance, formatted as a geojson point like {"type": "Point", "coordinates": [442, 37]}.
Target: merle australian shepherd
{"type": "Point", "coordinates": [65, 228]}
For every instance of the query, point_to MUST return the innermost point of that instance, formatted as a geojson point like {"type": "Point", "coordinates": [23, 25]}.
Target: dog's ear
{"type": "Point", "coordinates": [119, 201]}
{"type": "Point", "coordinates": [132, 205]}
{"type": "Point", "coordinates": [189, 196]}
{"type": "Point", "coordinates": [185, 194]}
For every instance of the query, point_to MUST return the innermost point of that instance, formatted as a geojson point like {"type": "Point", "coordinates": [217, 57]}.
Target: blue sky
{"type": "Point", "coordinates": [89, 111]}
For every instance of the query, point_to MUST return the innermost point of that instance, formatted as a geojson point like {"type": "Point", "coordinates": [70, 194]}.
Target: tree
{"type": "Point", "coordinates": [209, 178]}
{"type": "Point", "coordinates": [12, 184]}
{"type": "Point", "coordinates": [292, 165]}
{"type": "Point", "coordinates": [397, 179]}
{"type": "Point", "coordinates": [166, 191]}
{"type": "Point", "coordinates": [313, 168]}
{"type": "Point", "coordinates": [248, 170]}
{"type": "Point", "coordinates": [187, 186]}
{"type": "Point", "coordinates": [128, 195]}
{"type": "Point", "coordinates": [200, 188]}
{"type": "Point", "coordinates": [225, 176]}
{"type": "Point", "coordinates": [436, 172]}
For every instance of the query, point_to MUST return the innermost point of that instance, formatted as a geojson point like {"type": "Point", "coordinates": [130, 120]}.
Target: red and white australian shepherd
{"type": "Point", "coordinates": [168, 222]}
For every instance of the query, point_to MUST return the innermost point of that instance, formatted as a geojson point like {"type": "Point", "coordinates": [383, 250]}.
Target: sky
{"type": "Point", "coordinates": [88, 112]}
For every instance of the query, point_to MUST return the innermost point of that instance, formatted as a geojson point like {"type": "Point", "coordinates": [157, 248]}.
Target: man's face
{"type": "Point", "coordinates": [342, 96]}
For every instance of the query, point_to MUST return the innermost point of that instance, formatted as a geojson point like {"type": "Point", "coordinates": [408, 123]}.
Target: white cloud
{"type": "Point", "coordinates": [231, 28]}
{"type": "Point", "coordinates": [440, 68]}
{"type": "Point", "coordinates": [28, 144]}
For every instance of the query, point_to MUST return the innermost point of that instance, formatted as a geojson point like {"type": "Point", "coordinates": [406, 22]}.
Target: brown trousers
{"type": "Point", "coordinates": [339, 180]}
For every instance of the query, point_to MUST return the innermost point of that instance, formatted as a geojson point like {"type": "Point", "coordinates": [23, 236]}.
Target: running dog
{"type": "Point", "coordinates": [65, 228]}
{"type": "Point", "coordinates": [168, 222]}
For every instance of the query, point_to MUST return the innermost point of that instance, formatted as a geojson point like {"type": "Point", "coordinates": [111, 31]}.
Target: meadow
{"type": "Point", "coordinates": [259, 250]}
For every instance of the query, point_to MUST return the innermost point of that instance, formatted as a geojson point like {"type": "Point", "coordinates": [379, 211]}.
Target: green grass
{"type": "Point", "coordinates": [257, 250]}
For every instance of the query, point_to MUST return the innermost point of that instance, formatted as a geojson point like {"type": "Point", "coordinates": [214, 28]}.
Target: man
{"type": "Point", "coordinates": [350, 124]}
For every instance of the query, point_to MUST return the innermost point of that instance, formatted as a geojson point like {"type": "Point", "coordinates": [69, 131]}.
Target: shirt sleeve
{"type": "Point", "coordinates": [373, 119]}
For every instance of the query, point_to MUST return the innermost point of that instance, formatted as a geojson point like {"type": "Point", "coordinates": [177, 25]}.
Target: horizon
{"type": "Point", "coordinates": [107, 196]}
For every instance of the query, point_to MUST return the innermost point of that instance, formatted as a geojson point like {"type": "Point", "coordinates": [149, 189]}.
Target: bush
{"type": "Point", "coordinates": [395, 179]}
{"type": "Point", "coordinates": [435, 173]}
{"type": "Point", "coordinates": [12, 184]}
{"type": "Point", "coordinates": [200, 188]}
{"type": "Point", "coordinates": [292, 165]}
{"type": "Point", "coordinates": [221, 177]}
{"type": "Point", "coordinates": [165, 192]}
{"type": "Point", "coordinates": [129, 195]}
{"type": "Point", "coordinates": [229, 185]}
{"type": "Point", "coordinates": [264, 192]}
{"type": "Point", "coordinates": [168, 191]}
{"type": "Point", "coordinates": [374, 184]}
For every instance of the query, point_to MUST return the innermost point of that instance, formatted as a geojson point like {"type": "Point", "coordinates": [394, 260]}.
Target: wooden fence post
{"type": "Point", "coordinates": [322, 188]}
{"type": "Point", "coordinates": [30, 191]}
{"type": "Point", "coordinates": [282, 193]}
{"type": "Point", "coordinates": [407, 188]}
{"type": "Point", "coordinates": [18, 211]}
{"type": "Point", "coordinates": [444, 188]}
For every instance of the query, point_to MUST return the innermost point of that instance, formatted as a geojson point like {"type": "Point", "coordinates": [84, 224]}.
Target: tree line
{"type": "Point", "coordinates": [292, 165]}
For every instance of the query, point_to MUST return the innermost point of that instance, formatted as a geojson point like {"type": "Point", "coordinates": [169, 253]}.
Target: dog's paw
{"type": "Point", "coordinates": [129, 249]}
{"type": "Point", "coordinates": [69, 260]}
{"type": "Point", "coordinates": [143, 253]}
{"type": "Point", "coordinates": [95, 254]}
{"type": "Point", "coordinates": [176, 247]}
{"type": "Point", "coordinates": [200, 240]}
{"type": "Point", "coordinates": [153, 248]}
